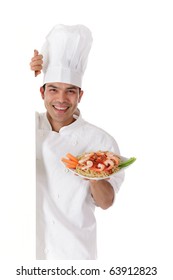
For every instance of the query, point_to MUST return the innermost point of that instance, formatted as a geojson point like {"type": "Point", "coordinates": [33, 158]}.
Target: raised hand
{"type": "Point", "coordinates": [36, 63]}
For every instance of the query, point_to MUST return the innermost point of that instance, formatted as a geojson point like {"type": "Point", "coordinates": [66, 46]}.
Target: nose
{"type": "Point", "coordinates": [61, 96]}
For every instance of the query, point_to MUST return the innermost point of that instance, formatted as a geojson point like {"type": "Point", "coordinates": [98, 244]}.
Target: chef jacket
{"type": "Point", "coordinates": [65, 220]}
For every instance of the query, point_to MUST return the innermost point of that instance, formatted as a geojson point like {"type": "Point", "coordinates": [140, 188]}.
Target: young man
{"type": "Point", "coordinates": [66, 226]}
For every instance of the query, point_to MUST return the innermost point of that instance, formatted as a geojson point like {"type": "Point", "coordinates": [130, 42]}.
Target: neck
{"type": "Point", "coordinates": [56, 126]}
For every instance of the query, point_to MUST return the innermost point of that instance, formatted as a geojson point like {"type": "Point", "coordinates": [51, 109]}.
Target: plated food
{"type": "Point", "coordinates": [96, 165]}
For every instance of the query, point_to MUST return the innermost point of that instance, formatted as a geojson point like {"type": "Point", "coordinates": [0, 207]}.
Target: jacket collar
{"type": "Point", "coordinates": [45, 124]}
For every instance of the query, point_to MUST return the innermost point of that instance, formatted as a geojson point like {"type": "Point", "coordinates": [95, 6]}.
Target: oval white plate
{"type": "Point", "coordinates": [98, 178]}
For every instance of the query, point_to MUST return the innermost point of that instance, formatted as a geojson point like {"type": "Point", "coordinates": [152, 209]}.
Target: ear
{"type": "Point", "coordinates": [80, 95]}
{"type": "Point", "coordinates": [42, 92]}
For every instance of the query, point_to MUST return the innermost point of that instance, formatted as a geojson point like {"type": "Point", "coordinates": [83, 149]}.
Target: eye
{"type": "Point", "coordinates": [71, 91]}
{"type": "Point", "coordinates": [52, 90]}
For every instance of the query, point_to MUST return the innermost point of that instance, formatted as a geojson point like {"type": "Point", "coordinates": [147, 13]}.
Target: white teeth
{"type": "Point", "coordinates": [60, 108]}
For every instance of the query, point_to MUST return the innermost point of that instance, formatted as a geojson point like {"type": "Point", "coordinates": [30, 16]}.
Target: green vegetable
{"type": "Point", "coordinates": [127, 162]}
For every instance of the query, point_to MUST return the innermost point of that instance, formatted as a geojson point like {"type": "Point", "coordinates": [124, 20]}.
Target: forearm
{"type": "Point", "coordinates": [102, 192]}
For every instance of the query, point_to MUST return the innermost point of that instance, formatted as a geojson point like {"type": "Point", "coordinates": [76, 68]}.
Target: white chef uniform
{"type": "Point", "coordinates": [66, 225]}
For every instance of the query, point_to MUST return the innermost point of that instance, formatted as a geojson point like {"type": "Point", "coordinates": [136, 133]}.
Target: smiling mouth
{"type": "Point", "coordinates": [60, 108]}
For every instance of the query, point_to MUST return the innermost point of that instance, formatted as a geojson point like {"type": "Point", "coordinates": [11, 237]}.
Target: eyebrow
{"type": "Point", "coordinates": [55, 87]}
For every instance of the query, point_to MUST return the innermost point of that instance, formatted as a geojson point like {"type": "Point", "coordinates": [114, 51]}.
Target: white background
{"type": "Point", "coordinates": [128, 88]}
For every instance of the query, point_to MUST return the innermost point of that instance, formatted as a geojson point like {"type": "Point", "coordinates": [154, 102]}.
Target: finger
{"type": "Point", "coordinates": [36, 63]}
{"type": "Point", "coordinates": [36, 68]}
{"type": "Point", "coordinates": [37, 57]}
{"type": "Point", "coordinates": [35, 52]}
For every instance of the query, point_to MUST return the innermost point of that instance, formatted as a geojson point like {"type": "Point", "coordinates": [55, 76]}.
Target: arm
{"type": "Point", "coordinates": [36, 63]}
{"type": "Point", "coordinates": [102, 192]}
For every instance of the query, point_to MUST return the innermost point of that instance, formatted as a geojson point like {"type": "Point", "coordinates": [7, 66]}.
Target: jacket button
{"type": "Point", "coordinates": [74, 143]}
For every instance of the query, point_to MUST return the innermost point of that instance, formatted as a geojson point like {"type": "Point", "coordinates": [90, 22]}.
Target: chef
{"type": "Point", "coordinates": [65, 220]}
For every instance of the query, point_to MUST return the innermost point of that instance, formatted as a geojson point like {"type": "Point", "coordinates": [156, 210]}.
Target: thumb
{"type": "Point", "coordinates": [35, 52]}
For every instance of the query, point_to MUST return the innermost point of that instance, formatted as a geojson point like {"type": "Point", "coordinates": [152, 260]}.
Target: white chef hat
{"type": "Point", "coordinates": [65, 54]}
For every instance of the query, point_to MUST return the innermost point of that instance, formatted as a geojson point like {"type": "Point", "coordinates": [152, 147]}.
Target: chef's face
{"type": "Point", "coordinates": [61, 101]}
